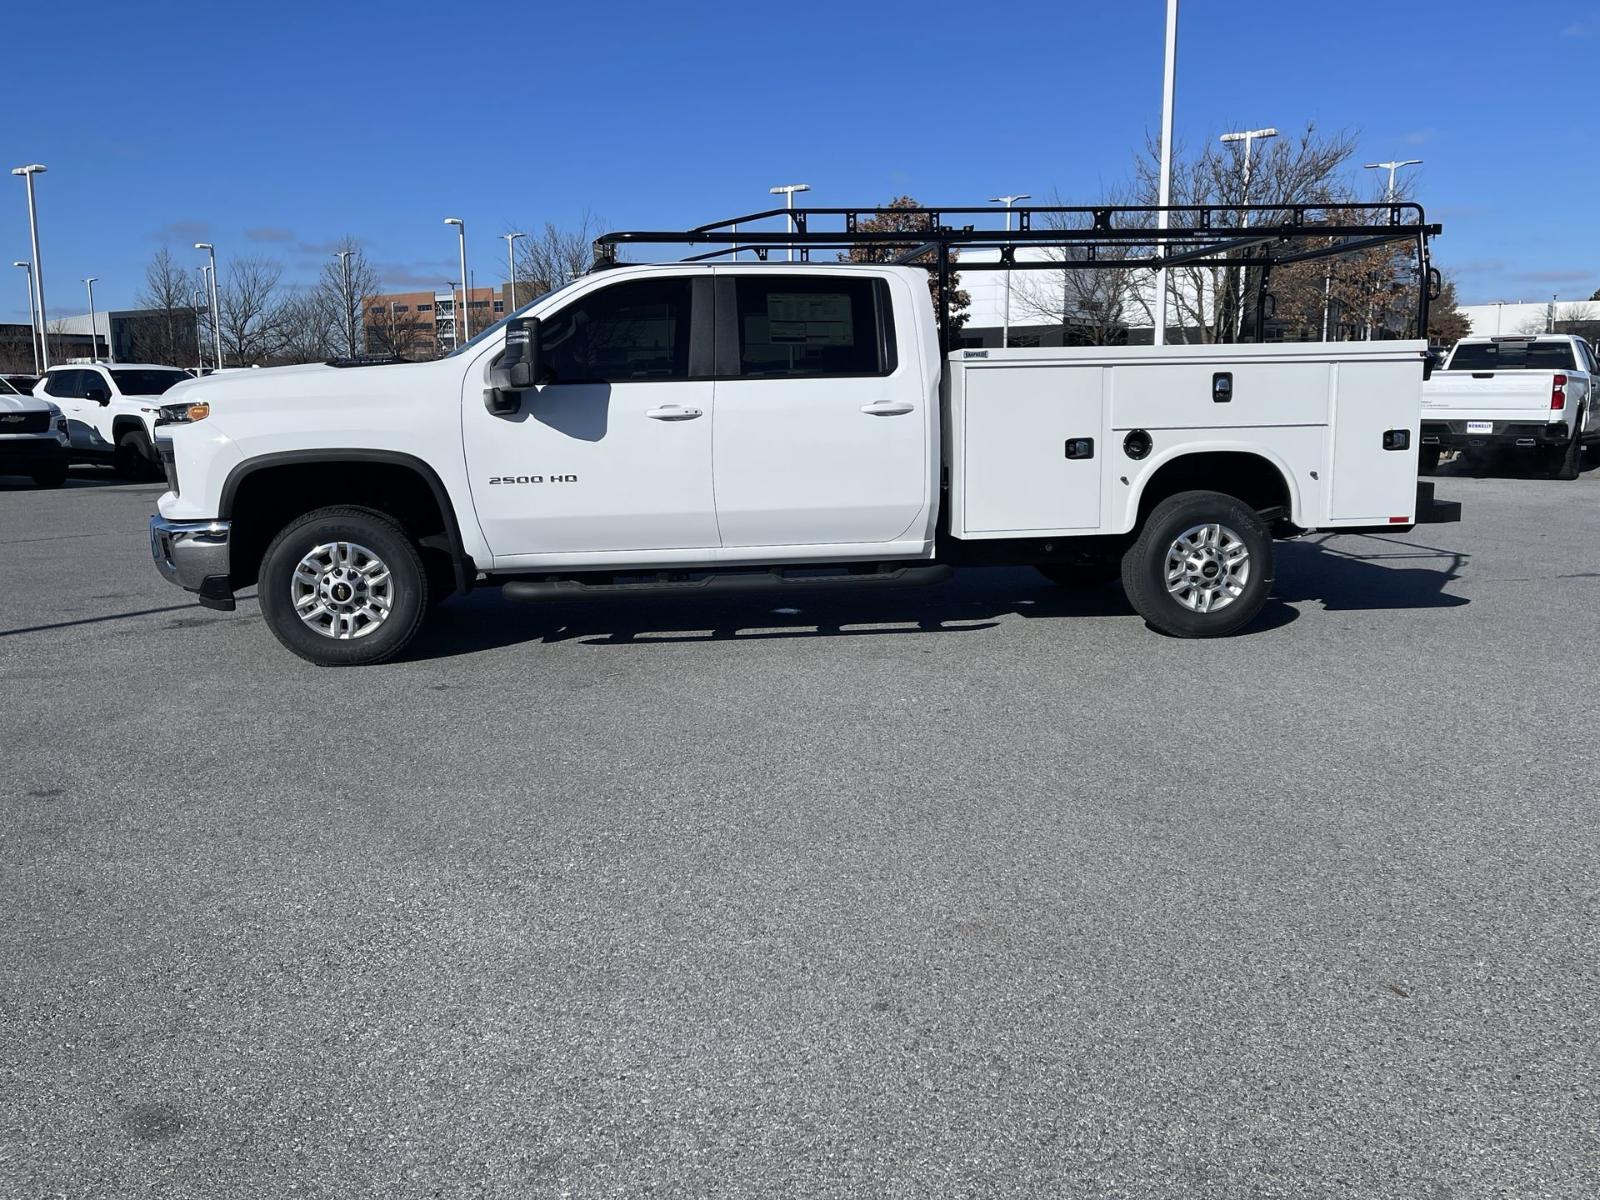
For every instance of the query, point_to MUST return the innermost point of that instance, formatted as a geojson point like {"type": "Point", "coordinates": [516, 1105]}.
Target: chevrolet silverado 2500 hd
{"type": "Point", "coordinates": [682, 427]}
{"type": "Point", "coordinates": [1534, 392]}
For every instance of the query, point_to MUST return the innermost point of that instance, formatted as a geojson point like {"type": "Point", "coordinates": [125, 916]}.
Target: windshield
{"type": "Point", "coordinates": [493, 330]}
{"type": "Point", "coordinates": [1513, 356]}
{"type": "Point", "coordinates": [147, 383]}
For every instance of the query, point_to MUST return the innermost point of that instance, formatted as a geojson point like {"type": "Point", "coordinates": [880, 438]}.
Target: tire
{"type": "Point", "coordinates": [1564, 463]}
{"type": "Point", "coordinates": [50, 475]}
{"type": "Point", "coordinates": [325, 560]}
{"type": "Point", "coordinates": [1216, 591]}
{"type": "Point", "coordinates": [135, 457]}
{"type": "Point", "coordinates": [1084, 576]}
{"type": "Point", "coordinates": [1428, 460]}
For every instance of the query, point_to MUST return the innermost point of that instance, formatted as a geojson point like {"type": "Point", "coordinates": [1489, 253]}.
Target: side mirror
{"type": "Point", "coordinates": [518, 368]}
{"type": "Point", "coordinates": [1435, 283]}
{"type": "Point", "coordinates": [97, 392]}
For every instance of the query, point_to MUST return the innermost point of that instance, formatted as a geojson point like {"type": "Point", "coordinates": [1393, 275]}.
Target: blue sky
{"type": "Point", "coordinates": [273, 130]}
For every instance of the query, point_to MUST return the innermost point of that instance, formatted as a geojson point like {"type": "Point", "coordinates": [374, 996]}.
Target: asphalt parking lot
{"type": "Point", "coordinates": [981, 890]}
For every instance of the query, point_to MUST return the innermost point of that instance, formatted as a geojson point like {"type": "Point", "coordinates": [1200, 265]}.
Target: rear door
{"type": "Point", "coordinates": [821, 434]}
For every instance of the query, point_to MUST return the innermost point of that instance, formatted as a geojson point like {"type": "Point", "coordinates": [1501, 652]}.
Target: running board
{"type": "Point", "coordinates": [679, 583]}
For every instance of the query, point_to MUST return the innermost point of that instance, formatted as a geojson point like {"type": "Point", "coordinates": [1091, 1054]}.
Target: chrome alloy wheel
{"type": "Point", "coordinates": [1208, 567]}
{"type": "Point", "coordinates": [342, 590]}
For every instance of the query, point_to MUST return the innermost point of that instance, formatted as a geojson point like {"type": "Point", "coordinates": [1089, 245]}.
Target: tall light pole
{"type": "Point", "coordinates": [349, 310]}
{"type": "Point", "coordinates": [33, 317]}
{"type": "Point", "coordinates": [1248, 137]}
{"type": "Point", "coordinates": [1169, 83]}
{"type": "Point", "coordinates": [463, 322]}
{"type": "Point", "coordinates": [37, 274]}
{"type": "Point", "coordinates": [511, 265]}
{"type": "Point", "coordinates": [788, 190]}
{"type": "Point", "coordinates": [1005, 324]}
{"type": "Point", "coordinates": [94, 336]}
{"type": "Point", "coordinates": [1392, 167]}
{"type": "Point", "coordinates": [216, 305]}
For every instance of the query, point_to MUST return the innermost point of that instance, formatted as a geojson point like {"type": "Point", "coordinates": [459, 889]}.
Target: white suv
{"type": "Point", "coordinates": [111, 411]}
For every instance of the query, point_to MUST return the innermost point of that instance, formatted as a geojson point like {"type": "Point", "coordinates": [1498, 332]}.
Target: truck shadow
{"type": "Point", "coordinates": [1507, 464]}
{"type": "Point", "coordinates": [1349, 574]}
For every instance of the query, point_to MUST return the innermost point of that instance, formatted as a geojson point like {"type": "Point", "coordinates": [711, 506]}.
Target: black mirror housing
{"type": "Point", "coordinates": [518, 368]}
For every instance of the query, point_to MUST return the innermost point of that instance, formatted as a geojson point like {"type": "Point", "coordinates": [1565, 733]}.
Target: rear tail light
{"type": "Point", "coordinates": [1558, 393]}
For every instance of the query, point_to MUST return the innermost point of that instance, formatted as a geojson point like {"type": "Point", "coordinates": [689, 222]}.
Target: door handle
{"type": "Point", "coordinates": [672, 412]}
{"type": "Point", "coordinates": [887, 408]}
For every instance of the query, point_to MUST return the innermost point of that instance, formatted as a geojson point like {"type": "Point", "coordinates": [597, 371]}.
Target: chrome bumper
{"type": "Point", "coordinates": [194, 556]}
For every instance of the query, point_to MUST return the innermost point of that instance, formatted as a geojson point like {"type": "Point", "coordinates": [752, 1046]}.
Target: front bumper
{"type": "Point", "coordinates": [22, 454]}
{"type": "Point", "coordinates": [1455, 435]}
{"type": "Point", "coordinates": [194, 556]}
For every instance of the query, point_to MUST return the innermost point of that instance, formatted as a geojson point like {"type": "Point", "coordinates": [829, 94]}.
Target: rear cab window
{"type": "Point", "coordinates": [1514, 354]}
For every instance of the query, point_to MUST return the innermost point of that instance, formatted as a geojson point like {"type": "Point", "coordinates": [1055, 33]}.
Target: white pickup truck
{"type": "Point", "coordinates": [112, 410]}
{"type": "Point", "coordinates": [1530, 391]}
{"type": "Point", "coordinates": [33, 438]}
{"type": "Point", "coordinates": [687, 427]}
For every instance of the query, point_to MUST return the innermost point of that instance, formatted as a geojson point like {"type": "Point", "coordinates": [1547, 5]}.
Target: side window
{"type": "Point", "coordinates": [64, 384]}
{"type": "Point", "coordinates": [629, 331]}
{"type": "Point", "coordinates": [800, 325]}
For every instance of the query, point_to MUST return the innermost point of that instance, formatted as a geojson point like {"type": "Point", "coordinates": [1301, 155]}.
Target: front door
{"type": "Point", "coordinates": [821, 425]}
{"type": "Point", "coordinates": [612, 453]}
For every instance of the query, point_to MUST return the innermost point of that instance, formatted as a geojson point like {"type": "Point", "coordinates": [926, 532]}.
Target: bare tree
{"type": "Point", "coordinates": [168, 331]}
{"type": "Point", "coordinates": [252, 313]}
{"type": "Point", "coordinates": [555, 257]}
{"type": "Point", "coordinates": [1091, 304]}
{"type": "Point", "coordinates": [394, 333]}
{"type": "Point", "coordinates": [343, 288]}
{"type": "Point", "coordinates": [307, 328]}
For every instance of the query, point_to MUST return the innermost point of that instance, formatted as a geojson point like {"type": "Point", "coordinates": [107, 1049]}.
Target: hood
{"type": "Point", "coordinates": [10, 403]}
{"type": "Point", "coordinates": [318, 385]}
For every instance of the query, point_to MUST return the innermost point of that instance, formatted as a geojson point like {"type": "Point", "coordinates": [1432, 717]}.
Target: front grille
{"type": "Point", "coordinates": [169, 462]}
{"type": "Point", "coordinates": [25, 422]}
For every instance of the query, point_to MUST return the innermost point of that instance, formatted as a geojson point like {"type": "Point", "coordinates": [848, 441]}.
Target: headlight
{"type": "Point", "coordinates": [183, 414]}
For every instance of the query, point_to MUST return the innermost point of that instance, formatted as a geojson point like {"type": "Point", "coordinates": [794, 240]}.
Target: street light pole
{"type": "Point", "coordinates": [463, 322]}
{"type": "Point", "coordinates": [216, 304]}
{"type": "Point", "coordinates": [1248, 137]}
{"type": "Point", "coordinates": [788, 190]}
{"type": "Point", "coordinates": [1392, 167]}
{"type": "Point", "coordinates": [33, 317]}
{"type": "Point", "coordinates": [511, 266]}
{"type": "Point", "coordinates": [37, 273]}
{"type": "Point", "coordinates": [1005, 323]}
{"type": "Point", "coordinates": [349, 314]}
{"type": "Point", "coordinates": [94, 336]}
{"type": "Point", "coordinates": [1169, 83]}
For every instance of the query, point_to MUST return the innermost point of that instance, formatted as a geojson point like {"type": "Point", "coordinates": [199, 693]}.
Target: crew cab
{"type": "Point", "coordinates": [681, 427]}
{"type": "Point", "coordinates": [33, 438]}
{"type": "Point", "coordinates": [112, 410]}
{"type": "Point", "coordinates": [1534, 392]}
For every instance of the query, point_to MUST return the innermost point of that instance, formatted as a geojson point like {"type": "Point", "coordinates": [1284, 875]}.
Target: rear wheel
{"type": "Point", "coordinates": [135, 457]}
{"type": "Point", "coordinates": [1564, 461]}
{"type": "Point", "coordinates": [344, 587]}
{"type": "Point", "coordinates": [1200, 567]}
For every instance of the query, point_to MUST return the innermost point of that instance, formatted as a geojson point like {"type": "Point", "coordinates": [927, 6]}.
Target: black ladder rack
{"type": "Point", "coordinates": [1106, 236]}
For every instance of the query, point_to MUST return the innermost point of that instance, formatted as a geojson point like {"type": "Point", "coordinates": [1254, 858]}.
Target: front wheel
{"type": "Point", "coordinates": [52, 474]}
{"type": "Point", "coordinates": [1200, 567]}
{"type": "Point", "coordinates": [135, 458]}
{"type": "Point", "coordinates": [343, 587]}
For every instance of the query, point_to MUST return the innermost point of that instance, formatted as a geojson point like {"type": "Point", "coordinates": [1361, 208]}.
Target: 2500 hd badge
{"type": "Point", "coordinates": [497, 479]}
